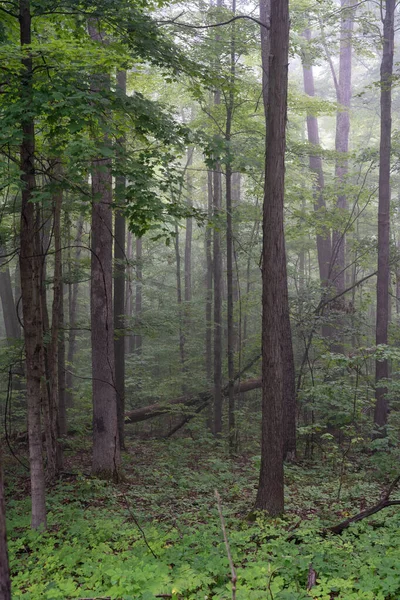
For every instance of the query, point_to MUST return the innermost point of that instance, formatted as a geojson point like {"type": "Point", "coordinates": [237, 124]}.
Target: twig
{"type": "Point", "coordinates": [228, 550]}
{"type": "Point", "coordinates": [134, 519]}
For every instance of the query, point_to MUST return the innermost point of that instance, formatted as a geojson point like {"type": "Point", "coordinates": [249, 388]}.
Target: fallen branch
{"type": "Point", "coordinates": [228, 549]}
{"type": "Point", "coordinates": [385, 502]}
{"type": "Point", "coordinates": [155, 410]}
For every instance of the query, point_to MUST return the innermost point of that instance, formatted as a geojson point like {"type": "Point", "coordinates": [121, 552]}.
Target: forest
{"type": "Point", "coordinates": [199, 299]}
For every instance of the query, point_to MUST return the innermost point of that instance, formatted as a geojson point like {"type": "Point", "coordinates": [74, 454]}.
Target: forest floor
{"type": "Point", "coordinates": [157, 534]}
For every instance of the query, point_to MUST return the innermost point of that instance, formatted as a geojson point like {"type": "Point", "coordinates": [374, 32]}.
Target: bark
{"type": "Point", "coordinates": [382, 287]}
{"type": "Point", "coordinates": [138, 298]}
{"type": "Point", "coordinates": [73, 304]}
{"type": "Point", "coordinates": [119, 288]}
{"type": "Point", "coordinates": [270, 494]}
{"type": "Point", "coordinates": [12, 327]}
{"type": "Point", "coordinates": [5, 581]}
{"type": "Point", "coordinates": [209, 280]}
{"type": "Point", "coordinates": [54, 455]}
{"type": "Point", "coordinates": [229, 241]}
{"type": "Point", "coordinates": [106, 451]}
{"type": "Point", "coordinates": [217, 273]}
{"type": "Point", "coordinates": [62, 407]}
{"type": "Point", "coordinates": [324, 249]}
{"type": "Point", "coordinates": [30, 282]}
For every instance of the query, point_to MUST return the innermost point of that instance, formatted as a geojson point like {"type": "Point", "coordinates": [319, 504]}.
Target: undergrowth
{"type": "Point", "coordinates": [157, 534]}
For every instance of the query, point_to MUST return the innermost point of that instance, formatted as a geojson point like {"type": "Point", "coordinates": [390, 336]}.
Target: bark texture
{"type": "Point", "coordinates": [106, 451]}
{"type": "Point", "coordinates": [5, 582]}
{"type": "Point", "coordinates": [270, 494]}
{"type": "Point", "coordinates": [119, 287]}
{"type": "Point", "coordinates": [382, 286]}
{"type": "Point", "coordinates": [30, 266]}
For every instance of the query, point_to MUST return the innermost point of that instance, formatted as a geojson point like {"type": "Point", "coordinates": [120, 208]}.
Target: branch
{"type": "Point", "coordinates": [384, 503]}
{"type": "Point", "coordinates": [228, 550]}
{"type": "Point", "coordinates": [266, 25]}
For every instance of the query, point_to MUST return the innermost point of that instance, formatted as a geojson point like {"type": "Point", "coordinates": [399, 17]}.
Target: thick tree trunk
{"type": "Point", "coordinates": [382, 287]}
{"type": "Point", "coordinates": [30, 282]}
{"type": "Point", "coordinates": [5, 581]}
{"type": "Point", "coordinates": [270, 494]}
{"type": "Point", "coordinates": [72, 313]}
{"type": "Point", "coordinates": [13, 330]}
{"type": "Point", "coordinates": [138, 297]}
{"type": "Point", "coordinates": [119, 288]}
{"type": "Point", "coordinates": [106, 450]}
{"type": "Point", "coordinates": [324, 249]}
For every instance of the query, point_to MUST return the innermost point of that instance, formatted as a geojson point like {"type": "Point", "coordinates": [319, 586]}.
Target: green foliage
{"type": "Point", "coordinates": [159, 533]}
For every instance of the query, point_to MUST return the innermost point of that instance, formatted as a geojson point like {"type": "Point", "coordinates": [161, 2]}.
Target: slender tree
{"type": "Point", "coordinates": [119, 288]}
{"type": "Point", "coordinates": [5, 582]}
{"type": "Point", "coordinates": [382, 286]}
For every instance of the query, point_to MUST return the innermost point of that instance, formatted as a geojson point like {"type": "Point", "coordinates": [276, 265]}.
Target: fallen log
{"type": "Point", "coordinates": [155, 410]}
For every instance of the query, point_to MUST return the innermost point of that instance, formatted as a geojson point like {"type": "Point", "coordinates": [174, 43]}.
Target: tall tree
{"type": "Point", "coordinates": [138, 292]}
{"type": "Point", "coordinates": [343, 95]}
{"type": "Point", "coordinates": [270, 494]}
{"type": "Point", "coordinates": [382, 286]}
{"type": "Point", "coordinates": [106, 450]}
{"type": "Point", "coordinates": [30, 269]}
{"type": "Point", "coordinates": [13, 330]}
{"type": "Point", "coordinates": [119, 287]}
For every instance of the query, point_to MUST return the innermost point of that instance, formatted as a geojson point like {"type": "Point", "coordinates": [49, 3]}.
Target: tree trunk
{"type": "Point", "coordinates": [62, 407]}
{"type": "Point", "coordinates": [189, 231]}
{"type": "Point", "coordinates": [13, 330]}
{"type": "Point", "coordinates": [106, 451]}
{"type": "Point", "coordinates": [54, 463]}
{"type": "Point", "coordinates": [72, 310]}
{"type": "Point", "coordinates": [209, 278]}
{"type": "Point", "coordinates": [138, 297]}
{"type": "Point", "coordinates": [382, 287]}
{"type": "Point", "coordinates": [30, 282]}
{"type": "Point", "coordinates": [119, 289]}
{"type": "Point", "coordinates": [130, 338]}
{"type": "Point", "coordinates": [343, 96]}
{"type": "Point", "coordinates": [179, 300]}
{"type": "Point", "coordinates": [270, 495]}
{"type": "Point", "coordinates": [324, 249]}
{"type": "Point", "coordinates": [5, 581]}
{"type": "Point", "coordinates": [217, 272]}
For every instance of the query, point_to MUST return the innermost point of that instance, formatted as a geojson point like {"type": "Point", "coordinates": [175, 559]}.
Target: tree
{"type": "Point", "coordinates": [106, 448]}
{"type": "Point", "coordinates": [270, 494]}
{"type": "Point", "coordinates": [119, 288]}
{"type": "Point", "coordinates": [5, 583]}
{"type": "Point", "coordinates": [382, 285]}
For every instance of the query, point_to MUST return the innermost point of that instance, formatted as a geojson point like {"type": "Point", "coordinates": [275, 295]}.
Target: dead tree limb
{"type": "Point", "coordinates": [155, 410]}
{"type": "Point", "coordinates": [385, 502]}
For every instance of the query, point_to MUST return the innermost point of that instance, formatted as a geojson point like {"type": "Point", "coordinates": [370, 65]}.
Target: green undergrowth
{"type": "Point", "coordinates": [158, 533]}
